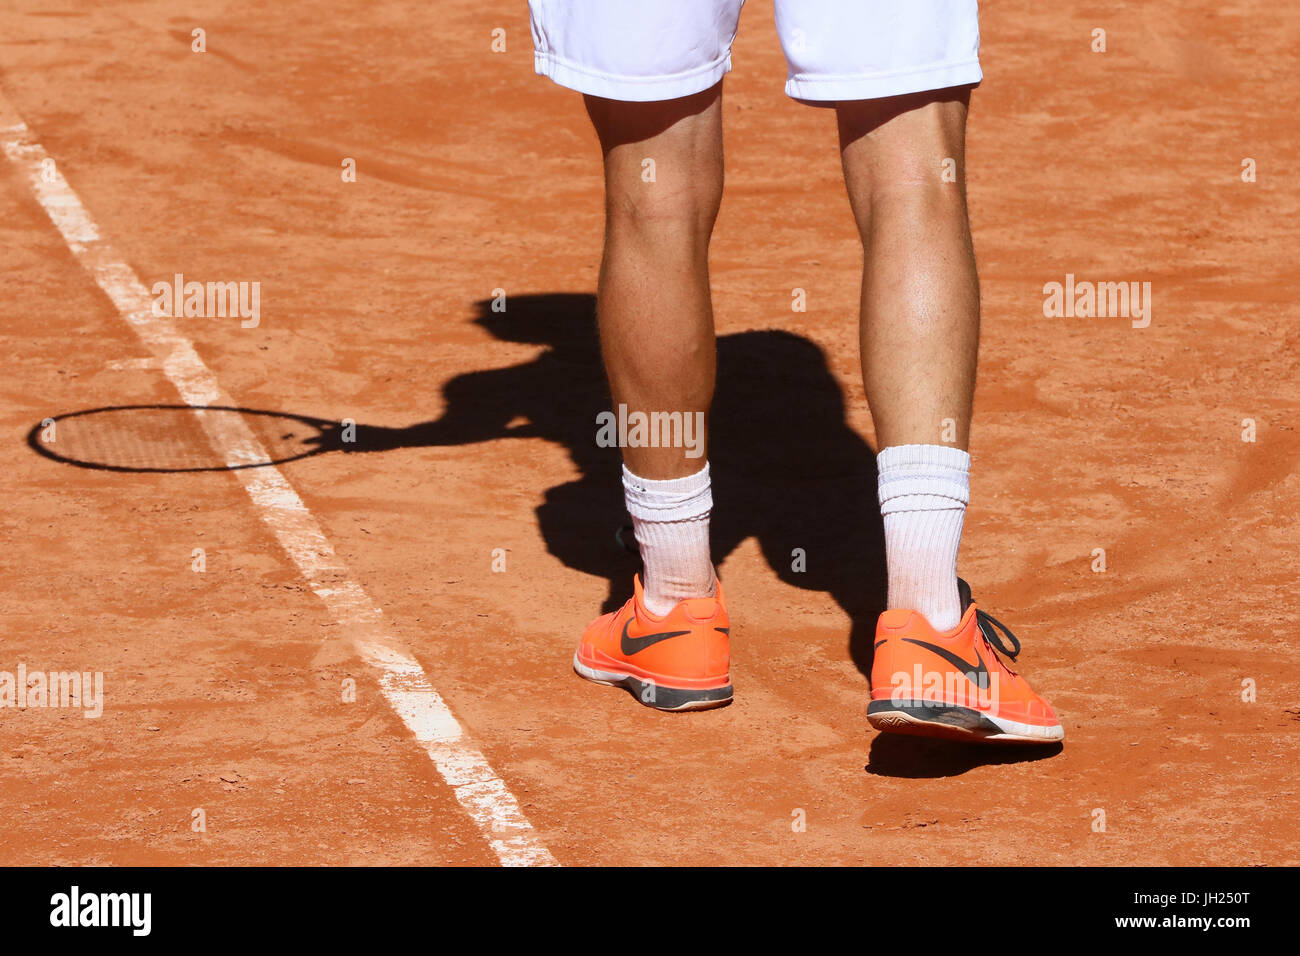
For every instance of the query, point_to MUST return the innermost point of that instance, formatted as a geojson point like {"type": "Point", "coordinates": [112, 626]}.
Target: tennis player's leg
{"type": "Point", "coordinates": [903, 159]}
{"type": "Point", "coordinates": [899, 77]}
{"type": "Point", "coordinates": [663, 185]}
{"type": "Point", "coordinates": [651, 75]}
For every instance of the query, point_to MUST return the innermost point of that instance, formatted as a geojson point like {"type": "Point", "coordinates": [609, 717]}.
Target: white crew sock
{"type": "Point", "coordinates": [671, 522]}
{"type": "Point", "coordinates": [923, 494]}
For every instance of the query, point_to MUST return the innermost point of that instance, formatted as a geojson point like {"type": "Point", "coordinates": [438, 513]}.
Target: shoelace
{"type": "Point", "coordinates": [987, 623]}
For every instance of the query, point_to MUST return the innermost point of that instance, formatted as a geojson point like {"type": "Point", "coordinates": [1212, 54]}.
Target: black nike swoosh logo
{"type": "Point", "coordinates": [635, 645]}
{"type": "Point", "coordinates": [977, 673]}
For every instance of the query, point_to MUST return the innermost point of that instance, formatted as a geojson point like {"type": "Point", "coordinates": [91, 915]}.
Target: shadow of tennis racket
{"type": "Point", "coordinates": [175, 438]}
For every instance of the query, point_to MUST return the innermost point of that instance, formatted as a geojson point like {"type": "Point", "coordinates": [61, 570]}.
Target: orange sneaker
{"type": "Point", "coordinates": [680, 661]}
{"type": "Point", "coordinates": [954, 684]}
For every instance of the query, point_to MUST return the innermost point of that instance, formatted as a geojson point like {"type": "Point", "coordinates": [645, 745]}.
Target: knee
{"type": "Point", "coordinates": [667, 205]}
{"type": "Point", "coordinates": [905, 156]}
{"type": "Point", "coordinates": [663, 166]}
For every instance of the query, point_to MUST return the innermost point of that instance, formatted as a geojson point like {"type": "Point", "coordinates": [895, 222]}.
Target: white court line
{"type": "Point", "coordinates": [403, 682]}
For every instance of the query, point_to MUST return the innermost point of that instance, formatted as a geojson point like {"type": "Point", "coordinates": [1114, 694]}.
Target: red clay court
{"type": "Point", "coordinates": [370, 564]}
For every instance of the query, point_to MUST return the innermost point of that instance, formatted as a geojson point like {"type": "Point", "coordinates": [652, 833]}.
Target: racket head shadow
{"type": "Point", "coordinates": [177, 438]}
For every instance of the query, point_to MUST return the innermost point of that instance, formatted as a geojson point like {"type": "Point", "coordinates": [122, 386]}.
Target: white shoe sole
{"type": "Point", "coordinates": [927, 719]}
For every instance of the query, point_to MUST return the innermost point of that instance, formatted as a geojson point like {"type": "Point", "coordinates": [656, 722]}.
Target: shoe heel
{"type": "Point", "coordinates": [658, 696]}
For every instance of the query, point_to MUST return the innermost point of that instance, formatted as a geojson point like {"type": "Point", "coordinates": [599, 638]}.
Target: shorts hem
{"type": "Point", "coordinates": [871, 86]}
{"type": "Point", "coordinates": [630, 89]}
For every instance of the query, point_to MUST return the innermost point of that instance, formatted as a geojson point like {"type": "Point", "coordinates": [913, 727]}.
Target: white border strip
{"type": "Point", "coordinates": [403, 682]}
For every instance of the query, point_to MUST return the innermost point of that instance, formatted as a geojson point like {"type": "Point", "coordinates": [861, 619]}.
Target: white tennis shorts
{"type": "Point", "coordinates": [640, 50]}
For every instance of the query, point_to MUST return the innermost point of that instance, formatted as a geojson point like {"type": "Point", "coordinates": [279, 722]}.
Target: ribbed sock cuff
{"type": "Point", "coordinates": [922, 478]}
{"type": "Point", "coordinates": [672, 499]}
